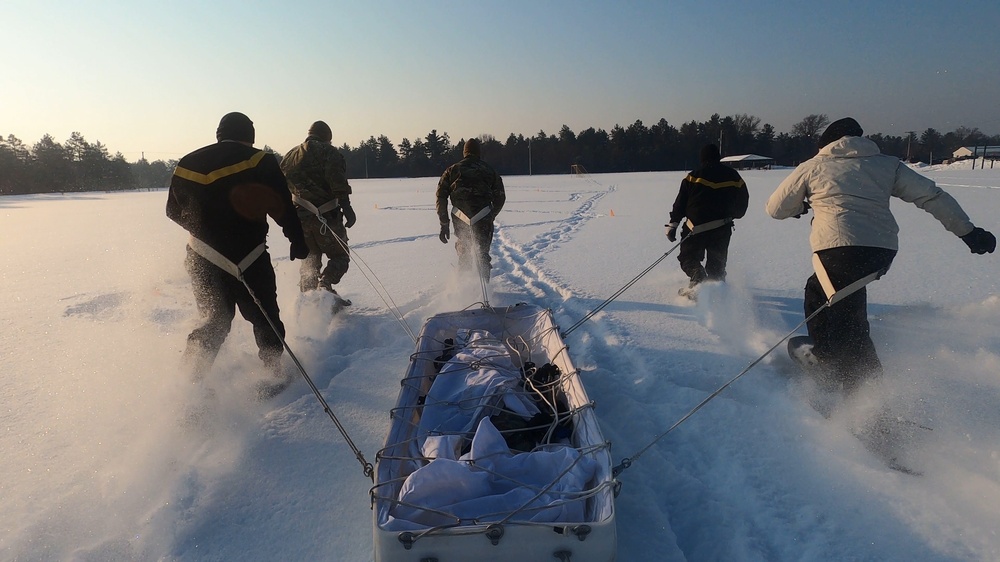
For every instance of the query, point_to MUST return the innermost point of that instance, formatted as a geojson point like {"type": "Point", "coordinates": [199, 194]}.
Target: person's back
{"type": "Point", "coordinates": [472, 185]}
{"type": "Point", "coordinates": [854, 236]}
{"type": "Point", "coordinates": [316, 171]}
{"type": "Point", "coordinates": [317, 176]}
{"type": "Point", "coordinates": [713, 192]}
{"type": "Point", "coordinates": [848, 185]}
{"type": "Point", "coordinates": [222, 194]}
{"type": "Point", "coordinates": [477, 195]}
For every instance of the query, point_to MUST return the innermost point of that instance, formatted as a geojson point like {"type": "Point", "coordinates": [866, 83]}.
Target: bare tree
{"type": "Point", "coordinates": [811, 126]}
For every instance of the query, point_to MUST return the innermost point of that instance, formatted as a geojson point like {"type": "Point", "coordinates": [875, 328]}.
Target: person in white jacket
{"type": "Point", "coordinates": [854, 234]}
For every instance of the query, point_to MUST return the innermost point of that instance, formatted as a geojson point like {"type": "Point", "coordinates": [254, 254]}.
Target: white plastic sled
{"type": "Point", "coordinates": [494, 452]}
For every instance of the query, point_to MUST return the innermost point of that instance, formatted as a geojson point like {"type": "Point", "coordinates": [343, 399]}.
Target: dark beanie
{"type": "Point", "coordinates": [846, 127]}
{"type": "Point", "coordinates": [321, 131]}
{"type": "Point", "coordinates": [235, 127]}
{"type": "Point", "coordinates": [471, 147]}
{"type": "Point", "coordinates": [709, 154]}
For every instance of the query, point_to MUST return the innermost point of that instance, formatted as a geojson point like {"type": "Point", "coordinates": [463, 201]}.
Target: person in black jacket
{"type": "Point", "coordinates": [711, 197]}
{"type": "Point", "coordinates": [222, 194]}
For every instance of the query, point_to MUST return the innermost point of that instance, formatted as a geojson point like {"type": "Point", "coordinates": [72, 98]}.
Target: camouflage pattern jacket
{"type": "Point", "coordinates": [317, 172]}
{"type": "Point", "coordinates": [472, 185]}
{"type": "Point", "coordinates": [223, 193]}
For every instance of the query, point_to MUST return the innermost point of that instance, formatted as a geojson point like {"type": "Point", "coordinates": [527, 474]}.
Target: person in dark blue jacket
{"type": "Point", "coordinates": [710, 197]}
{"type": "Point", "coordinates": [222, 194]}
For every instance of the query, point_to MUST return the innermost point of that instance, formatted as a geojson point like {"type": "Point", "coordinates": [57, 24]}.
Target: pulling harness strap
{"type": "Point", "coordinates": [832, 294]}
{"type": "Point", "coordinates": [478, 217]}
{"type": "Point", "coordinates": [710, 225]}
{"type": "Point", "coordinates": [325, 207]}
{"type": "Point", "coordinates": [221, 261]}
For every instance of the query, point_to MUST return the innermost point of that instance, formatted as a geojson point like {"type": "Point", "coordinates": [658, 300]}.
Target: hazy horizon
{"type": "Point", "coordinates": [156, 78]}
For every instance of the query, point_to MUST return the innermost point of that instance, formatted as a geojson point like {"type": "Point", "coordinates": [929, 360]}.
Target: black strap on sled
{"type": "Point", "coordinates": [831, 300]}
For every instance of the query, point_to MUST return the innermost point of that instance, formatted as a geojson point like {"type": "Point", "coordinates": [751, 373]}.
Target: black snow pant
{"type": "Point", "coordinates": [217, 294]}
{"type": "Point", "coordinates": [472, 244]}
{"type": "Point", "coordinates": [712, 246]}
{"type": "Point", "coordinates": [841, 332]}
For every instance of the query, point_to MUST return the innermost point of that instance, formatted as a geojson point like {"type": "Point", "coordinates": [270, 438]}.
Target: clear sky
{"type": "Point", "coordinates": [155, 77]}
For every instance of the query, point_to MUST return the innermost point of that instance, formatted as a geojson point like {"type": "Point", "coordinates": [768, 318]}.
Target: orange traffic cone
{"type": "Point", "coordinates": [612, 212]}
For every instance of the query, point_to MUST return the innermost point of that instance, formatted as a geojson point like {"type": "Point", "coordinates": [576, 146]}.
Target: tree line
{"type": "Point", "coordinates": [78, 165]}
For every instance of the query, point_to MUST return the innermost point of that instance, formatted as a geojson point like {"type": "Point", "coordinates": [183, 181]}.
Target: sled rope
{"type": "Point", "coordinates": [831, 300]}
{"type": "Point", "coordinates": [619, 292]}
{"type": "Point", "coordinates": [368, 274]}
{"type": "Point", "coordinates": [367, 467]}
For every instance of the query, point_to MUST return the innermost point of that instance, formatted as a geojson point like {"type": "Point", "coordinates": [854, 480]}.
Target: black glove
{"type": "Point", "coordinates": [445, 233]}
{"type": "Point", "coordinates": [980, 241]}
{"type": "Point", "coordinates": [805, 209]}
{"type": "Point", "coordinates": [349, 217]}
{"type": "Point", "coordinates": [299, 249]}
{"type": "Point", "coordinates": [671, 231]}
{"type": "Point", "coordinates": [685, 230]}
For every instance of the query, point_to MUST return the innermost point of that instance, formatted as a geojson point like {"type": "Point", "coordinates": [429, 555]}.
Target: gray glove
{"type": "Point", "coordinates": [671, 231]}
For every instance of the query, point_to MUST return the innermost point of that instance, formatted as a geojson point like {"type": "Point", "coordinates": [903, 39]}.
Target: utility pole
{"type": "Point", "coordinates": [529, 156]}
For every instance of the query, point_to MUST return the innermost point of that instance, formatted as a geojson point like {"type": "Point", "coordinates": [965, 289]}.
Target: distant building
{"type": "Point", "coordinates": [977, 151]}
{"type": "Point", "coordinates": [748, 162]}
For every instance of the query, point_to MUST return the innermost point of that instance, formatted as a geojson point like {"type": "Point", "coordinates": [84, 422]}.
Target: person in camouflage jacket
{"type": "Point", "coordinates": [317, 177]}
{"type": "Point", "coordinates": [477, 196]}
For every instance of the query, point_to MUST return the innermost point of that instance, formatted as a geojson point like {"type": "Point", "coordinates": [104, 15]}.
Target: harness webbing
{"type": "Point", "coordinates": [459, 214]}
{"type": "Point", "coordinates": [221, 261]}
{"type": "Point", "coordinates": [318, 211]}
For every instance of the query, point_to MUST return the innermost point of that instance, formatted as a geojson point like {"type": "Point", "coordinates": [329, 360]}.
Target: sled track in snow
{"type": "Point", "coordinates": [596, 338]}
{"type": "Point", "coordinates": [518, 261]}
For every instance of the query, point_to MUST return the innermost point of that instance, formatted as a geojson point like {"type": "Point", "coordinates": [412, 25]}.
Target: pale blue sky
{"type": "Point", "coordinates": [155, 77]}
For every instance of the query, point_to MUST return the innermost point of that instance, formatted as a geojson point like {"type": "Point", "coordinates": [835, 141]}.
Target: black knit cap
{"type": "Point", "coordinates": [709, 154]}
{"type": "Point", "coordinates": [471, 147]}
{"type": "Point", "coordinates": [846, 127]}
{"type": "Point", "coordinates": [235, 127]}
{"type": "Point", "coordinates": [321, 131]}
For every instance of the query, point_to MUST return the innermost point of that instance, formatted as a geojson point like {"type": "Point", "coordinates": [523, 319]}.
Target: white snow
{"type": "Point", "coordinates": [99, 465]}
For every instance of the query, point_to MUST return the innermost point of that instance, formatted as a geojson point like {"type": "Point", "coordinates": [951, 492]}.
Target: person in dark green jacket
{"type": "Point", "coordinates": [222, 194]}
{"type": "Point", "coordinates": [477, 196]}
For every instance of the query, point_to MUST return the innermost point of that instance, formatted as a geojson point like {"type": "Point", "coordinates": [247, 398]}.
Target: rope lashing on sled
{"type": "Point", "coordinates": [832, 298]}
{"type": "Point", "coordinates": [236, 270]}
{"type": "Point", "coordinates": [368, 274]}
{"type": "Point", "coordinates": [439, 357]}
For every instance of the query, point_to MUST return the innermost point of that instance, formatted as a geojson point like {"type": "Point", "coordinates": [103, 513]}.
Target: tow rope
{"type": "Point", "coordinates": [236, 270]}
{"type": "Point", "coordinates": [831, 300]}
{"type": "Point", "coordinates": [369, 275]}
{"type": "Point", "coordinates": [695, 229]}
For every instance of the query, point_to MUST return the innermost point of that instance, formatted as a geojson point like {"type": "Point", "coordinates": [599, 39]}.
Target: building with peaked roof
{"type": "Point", "coordinates": [748, 161]}
{"type": "Point", "coordinates": [977, 151]}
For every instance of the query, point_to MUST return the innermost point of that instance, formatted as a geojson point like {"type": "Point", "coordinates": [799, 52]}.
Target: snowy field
{"type": "Point", "coordinates": [96, 465]}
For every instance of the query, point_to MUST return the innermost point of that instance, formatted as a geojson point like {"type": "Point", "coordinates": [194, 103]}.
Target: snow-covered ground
{"type": "Point", "coordinates": [96, 464]}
